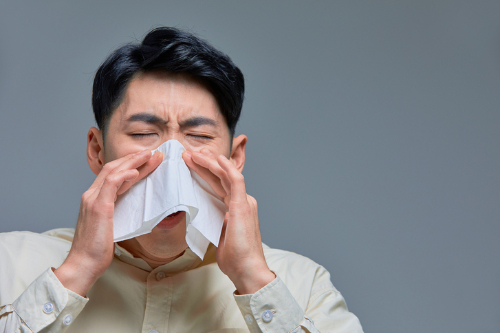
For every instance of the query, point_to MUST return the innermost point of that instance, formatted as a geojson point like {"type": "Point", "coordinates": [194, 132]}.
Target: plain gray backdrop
{"type": "Point", "coordinates": [373, 133]}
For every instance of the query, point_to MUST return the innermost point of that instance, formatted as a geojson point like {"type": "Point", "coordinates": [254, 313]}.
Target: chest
{"type": "Point", "coordinates": [126, 299]}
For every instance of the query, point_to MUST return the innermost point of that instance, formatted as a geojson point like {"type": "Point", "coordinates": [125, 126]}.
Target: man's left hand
{"type": "Point", "coordinates": [239, 255]}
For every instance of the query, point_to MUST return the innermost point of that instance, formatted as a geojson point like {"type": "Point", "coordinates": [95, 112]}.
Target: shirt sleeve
{"type": "Point", "coordinates": [44, 305]}
{"type": "Point", "coordinates": [274, 309]}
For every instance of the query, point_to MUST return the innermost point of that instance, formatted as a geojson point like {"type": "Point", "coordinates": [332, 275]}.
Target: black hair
{"type": "Point", "coordinates": [175, 51]}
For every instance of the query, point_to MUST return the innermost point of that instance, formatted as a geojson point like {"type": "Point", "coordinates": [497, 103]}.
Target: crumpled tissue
{"type": "Point", "coordinates": [170, 188]}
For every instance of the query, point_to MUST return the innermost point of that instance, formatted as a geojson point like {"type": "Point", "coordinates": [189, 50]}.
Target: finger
{"type": "Point", "coordinates": [205, 174]}
{"type": "Point", "coordinates": [238, 189]}
{"type": "Point", "coordinates": [142, 160]}
{"type": "Point", "coordinates": [129, 161]}
{"type": "Point", "coordinates": [217, 170]}
{"type": "Point", "coordinates": [111, 185]}
{"type": "Point", "coordinates": [208, 161]}
{"type": "Point", "coordinates": [143, 171]}
{"type": "Point", "coordinates": [214, 167]}
{"type": "Point", "coordinates": [150, 165]}
{"type": "Point", "coordinates": [137, 161]}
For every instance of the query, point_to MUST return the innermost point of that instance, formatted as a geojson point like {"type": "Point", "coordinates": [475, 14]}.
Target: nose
{"type": "Point", "coordinates": [175, 135]}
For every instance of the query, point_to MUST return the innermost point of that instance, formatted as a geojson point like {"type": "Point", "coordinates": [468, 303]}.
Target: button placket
{"type": "Point", "coordinates": [249, 319]}
{"type": "Point", "coordinates": [160, 276]}
{"type": "Point", "coordinates": [48, 307]}
{"type": "Point", "coordinates": [158, 302]}
{"type": "Point", "coordinates": [68, 319]}
{"type": "Point", "coordinates": [267, 316]}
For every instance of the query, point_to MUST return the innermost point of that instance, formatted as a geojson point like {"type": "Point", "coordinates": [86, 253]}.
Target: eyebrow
{"type": "Point", "coordinates": [198, 121]}
{"type": "Point", "coordinates": [155, 120]}
{"type": "Point", "coordinates": [147, 118]}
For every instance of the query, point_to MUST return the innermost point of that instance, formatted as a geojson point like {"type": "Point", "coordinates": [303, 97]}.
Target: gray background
{"type": "Point", "coordinates": [373, 136]}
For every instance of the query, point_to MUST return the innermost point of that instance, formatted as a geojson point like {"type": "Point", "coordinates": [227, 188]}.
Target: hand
{"type": "Point", "coordinates": [92, 250]}
{"type": "Point", "coordinates": [239, 255]}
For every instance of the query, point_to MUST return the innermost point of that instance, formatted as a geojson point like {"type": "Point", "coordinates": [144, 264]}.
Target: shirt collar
{"type": "Point", "coordinates": [188, 260]}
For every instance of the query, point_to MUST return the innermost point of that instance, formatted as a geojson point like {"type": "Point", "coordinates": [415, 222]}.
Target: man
{"type": "Point", "coordinates": [172, 86]}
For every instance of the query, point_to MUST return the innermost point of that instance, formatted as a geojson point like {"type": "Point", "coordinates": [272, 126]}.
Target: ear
{"type": "Point", "coordinates": [238, 152]}
{"type": "Point", "coordinates": [95, 150]}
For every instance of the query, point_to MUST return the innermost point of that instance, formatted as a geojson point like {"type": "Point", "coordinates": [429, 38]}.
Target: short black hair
{"type": "Point", "coordinates": [175, 51]}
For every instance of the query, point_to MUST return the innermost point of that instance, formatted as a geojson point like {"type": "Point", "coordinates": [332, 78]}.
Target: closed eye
{"type": "Point", "coordinates": [201, 137]}
{"type": "Point", "coordinates": [142, 135]}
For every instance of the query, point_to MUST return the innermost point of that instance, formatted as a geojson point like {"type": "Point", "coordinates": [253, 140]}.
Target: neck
{"type": "Point", "coordinates": [153, 258]}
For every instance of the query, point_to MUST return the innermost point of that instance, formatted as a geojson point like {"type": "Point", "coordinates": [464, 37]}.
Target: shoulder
{"type": "Point", "coordinates": [20, 241]}
{"type": "Point", "coordinates": [25, 248]}
{"type": "Point", "coordinates": [301, 275]}
{"type": "Point", "coordinates": [25, 255]}
{"type": "Point", "coordinates": [290, 261]}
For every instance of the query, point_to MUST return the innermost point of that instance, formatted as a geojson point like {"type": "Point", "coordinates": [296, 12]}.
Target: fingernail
{"type": "Point", "coordinates": [188, 154]}
{"type": "Point", "coordinates": [223, 157]}
{"type": "Point", "coordinates": [144, 152]}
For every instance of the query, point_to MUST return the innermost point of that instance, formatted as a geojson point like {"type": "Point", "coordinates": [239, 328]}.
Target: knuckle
{"type": "Point", "coordinates": [239, 177]}
{"type": "Point", "coordinates": [252, 200]}
{"type": "Point", "coordinates": [85, 196]}
{"type": "Point", "coordinates": [91, 207]}
{"type": "Point", "coordinates": [107, 167]}
{"type": "Point", "coordinates": [112, 179]}
{"type": "Point", "coordinates": [108, 182]}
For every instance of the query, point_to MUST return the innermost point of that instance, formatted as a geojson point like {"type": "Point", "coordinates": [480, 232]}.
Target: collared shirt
{"type": "Point", "coordinates": [185, 295]}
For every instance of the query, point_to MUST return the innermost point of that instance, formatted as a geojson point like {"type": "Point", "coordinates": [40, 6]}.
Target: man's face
{"type": "Point", "coordinates": [158, 107]}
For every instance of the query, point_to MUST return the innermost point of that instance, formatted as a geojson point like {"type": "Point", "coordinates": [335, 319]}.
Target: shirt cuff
{"type": "Point", "coordinates": [271, 309]}
{"type": "Point", "coordinates": [47, 302]}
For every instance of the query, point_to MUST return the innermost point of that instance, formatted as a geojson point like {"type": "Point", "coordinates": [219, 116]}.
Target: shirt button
{"type": "Point", "coordinates": [248, 319]}
{"type": "Point", "coordinates": [67, 320]}
{"type": "Point", "coordinates": [48, 307]}
{"type": "Point", "coordinates": [267, 316]}
{"type": "Point", "coordinates": [159, 276]}
{"type": "Point", "coordinates": [154, 331]}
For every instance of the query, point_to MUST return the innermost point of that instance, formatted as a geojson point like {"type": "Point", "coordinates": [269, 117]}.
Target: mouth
{"type": "Point", "coordinates": [174, 214]}
{"type": "Point", "coordinates": [172, 220]}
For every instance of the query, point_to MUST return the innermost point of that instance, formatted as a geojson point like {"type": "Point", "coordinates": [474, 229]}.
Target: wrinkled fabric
{"type": "Point", "coordinates": [186, 295]}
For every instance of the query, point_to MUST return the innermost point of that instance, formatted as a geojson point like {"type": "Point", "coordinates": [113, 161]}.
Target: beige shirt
{"type": "Point", "coordinates": [186, 295]}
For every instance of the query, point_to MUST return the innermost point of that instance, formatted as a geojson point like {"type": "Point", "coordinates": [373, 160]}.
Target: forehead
{"type": "Point", "coordinates": [169, 96]}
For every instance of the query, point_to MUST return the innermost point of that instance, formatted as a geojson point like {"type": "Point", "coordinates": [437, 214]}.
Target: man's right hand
{"type": "Point", "coordinates": [92, 250]}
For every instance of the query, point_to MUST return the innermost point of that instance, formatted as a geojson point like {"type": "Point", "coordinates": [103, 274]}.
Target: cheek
{"type": "Point", "coordinates": [113, 151]}
{"type": "Point", "coordinates": [216, 148]}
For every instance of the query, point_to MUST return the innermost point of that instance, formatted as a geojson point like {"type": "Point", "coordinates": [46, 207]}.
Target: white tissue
{"type": "Point", "coordinates": [172, 187]}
